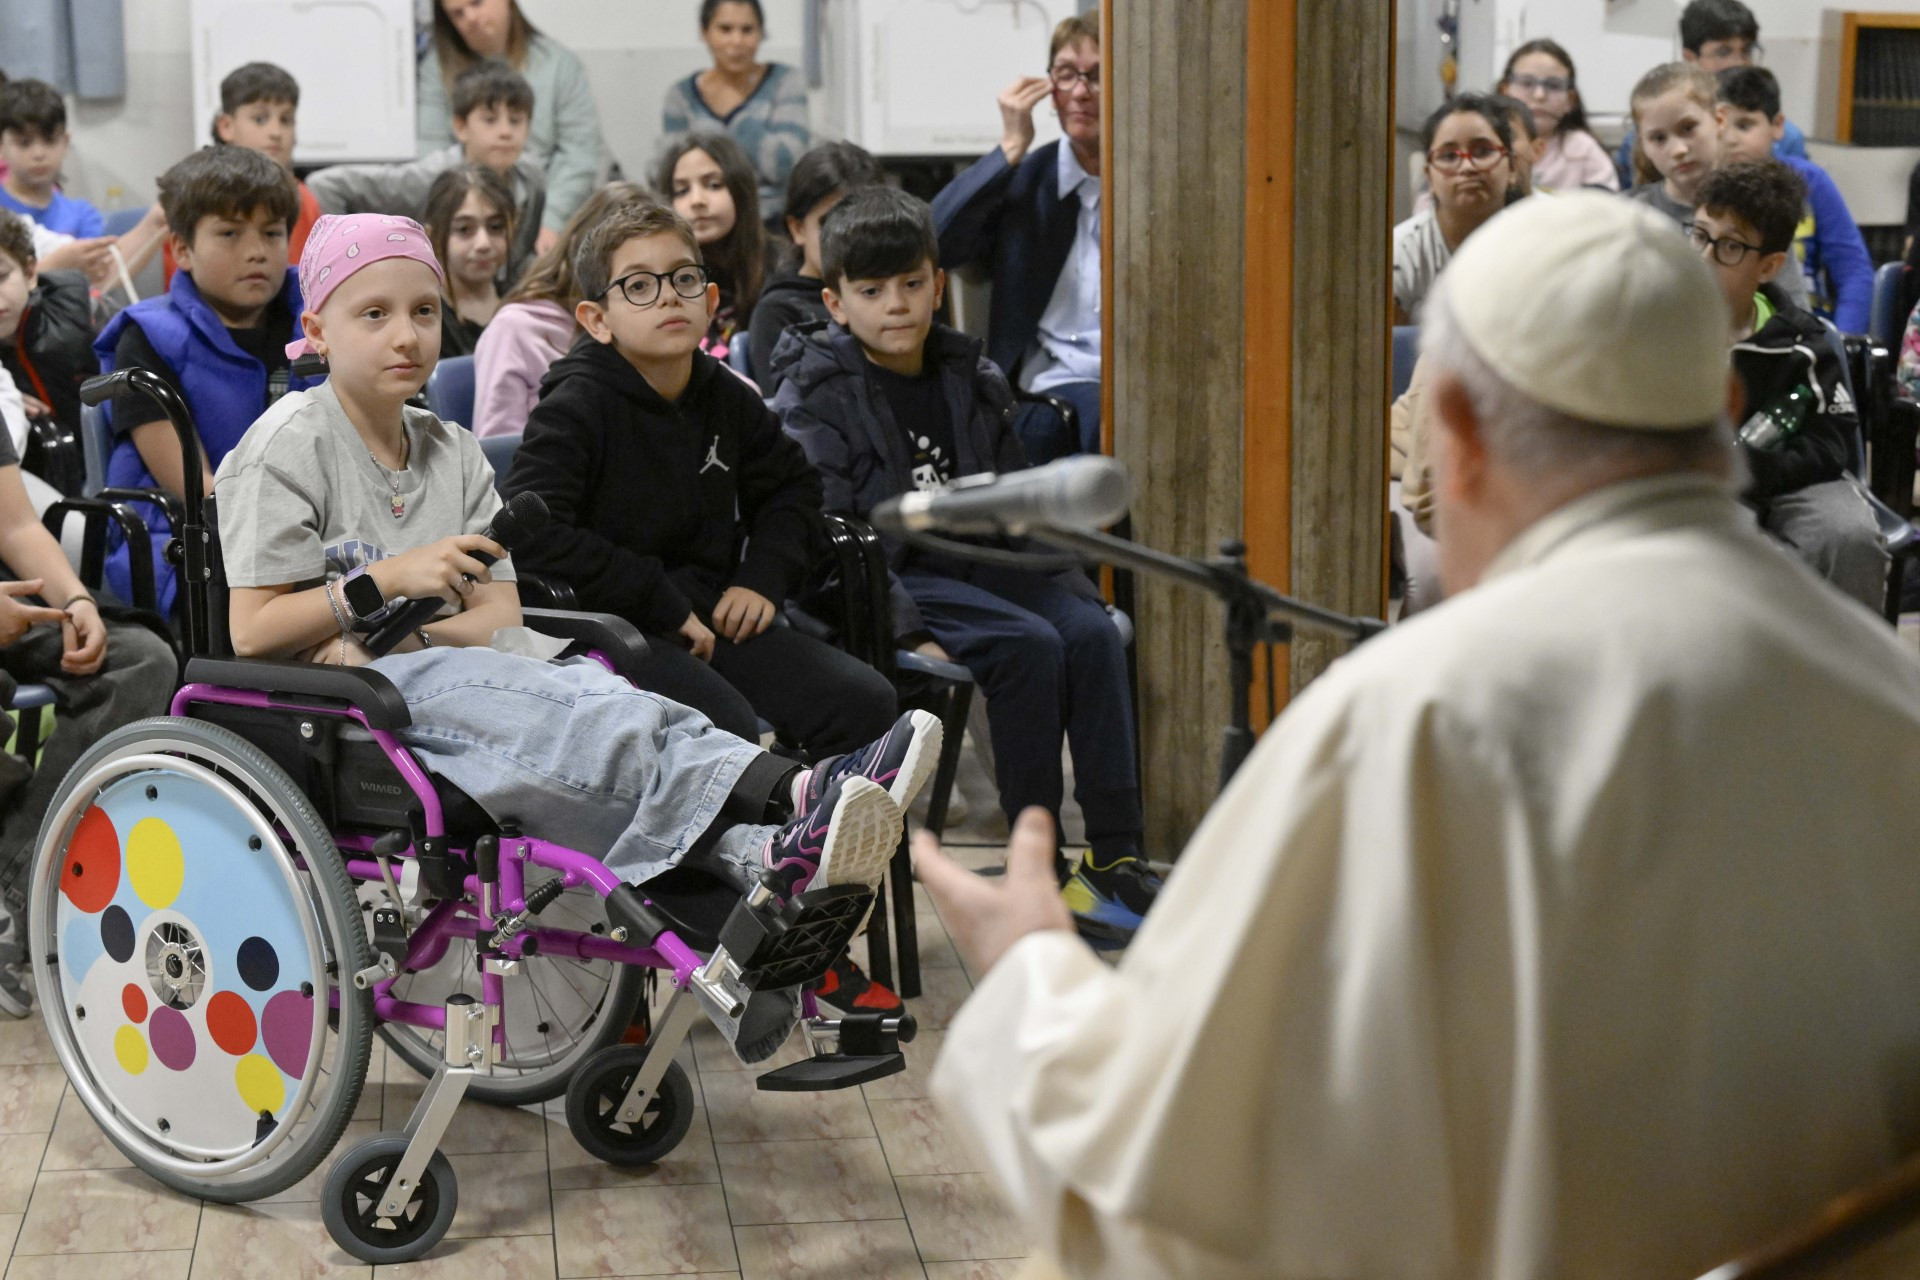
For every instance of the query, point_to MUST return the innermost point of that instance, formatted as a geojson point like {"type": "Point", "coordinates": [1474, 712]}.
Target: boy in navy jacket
{"type": "Point", "coordinates": [886, 402]}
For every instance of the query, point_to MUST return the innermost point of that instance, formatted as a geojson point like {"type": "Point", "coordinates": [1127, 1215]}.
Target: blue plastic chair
{"type": "Point", "coordinates": [740, 353]}
{"type": "Point", "coordinates": [500, 451]}
{"type": "Point", "coordinates": [450, 391]}
{"type": "Point", "coordinates": [120, 221]}
{"type": "Point", "coordinates": [1406, 350]}
{"type": "Point", "coordinates": [1885, 324]}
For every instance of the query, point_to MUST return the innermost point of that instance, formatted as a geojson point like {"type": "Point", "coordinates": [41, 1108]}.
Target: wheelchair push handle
{"type": "Point", "coordinates": [103, 387]}
{"type": "Point", "coordinates": [192, 551]}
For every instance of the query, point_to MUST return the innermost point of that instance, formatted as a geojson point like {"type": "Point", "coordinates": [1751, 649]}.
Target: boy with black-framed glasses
{"type": "Point", "coordinates": [679, 504]}
{"type": "Point", "coordinates": [1799, 426]}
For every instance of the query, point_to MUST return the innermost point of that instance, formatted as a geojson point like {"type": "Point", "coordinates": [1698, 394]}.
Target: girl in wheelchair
{"type": "Point", "coordinates": [343, 500]}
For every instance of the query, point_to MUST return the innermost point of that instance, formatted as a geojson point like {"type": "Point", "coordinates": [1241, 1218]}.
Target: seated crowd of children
{"type": "Point", "coordinates": [689, 498]}
{"type": "Point", "coordinates": [301, 322]}
{"type": "Point", "coordinates": [1711, 150]}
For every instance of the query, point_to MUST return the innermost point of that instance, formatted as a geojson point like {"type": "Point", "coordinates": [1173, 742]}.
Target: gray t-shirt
{"type": "Point", "coordinates": [302, 501]}
{"type": "Point", "coordinates": [1420, 253]}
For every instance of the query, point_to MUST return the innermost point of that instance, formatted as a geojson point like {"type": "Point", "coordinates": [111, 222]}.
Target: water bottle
{"type": "Point", "coordinates": [1778, 419]}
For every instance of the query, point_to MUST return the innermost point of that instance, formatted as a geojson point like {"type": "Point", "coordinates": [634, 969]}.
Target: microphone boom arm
{"type": "Point", "coordinates": [1256, 614]}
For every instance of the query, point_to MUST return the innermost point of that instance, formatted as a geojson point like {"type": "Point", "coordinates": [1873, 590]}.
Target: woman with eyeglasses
{"type": "Point", "coordinates": [1032, 215]}
{"type": "Point", "coordinates": [1470, 171]}
{"type": "Point", "coordinates": [1540, 74]}
{"type": "Point", "coordinates": [761, 105]}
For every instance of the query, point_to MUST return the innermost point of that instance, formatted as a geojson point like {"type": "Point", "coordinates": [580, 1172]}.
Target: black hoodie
{"type": "Point", "coordinates": [659, 507]}
{"type": "Point", "coordinates": [52, 354]}
{"type": "Point", "coordinates": [1792, 348]}
{"type": "Point", "coordinates": [786, 301]}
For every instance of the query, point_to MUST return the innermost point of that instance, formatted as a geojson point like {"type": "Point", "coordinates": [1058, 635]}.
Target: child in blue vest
{"type": "Point", "coordinates": [218, 335]}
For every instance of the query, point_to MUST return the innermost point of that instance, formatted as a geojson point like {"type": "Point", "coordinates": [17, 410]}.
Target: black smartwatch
{"type": "Point", "coordinates": [363, 595]}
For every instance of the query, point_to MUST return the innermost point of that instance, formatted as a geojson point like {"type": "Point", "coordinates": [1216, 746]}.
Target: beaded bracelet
{"type": "Point", "coordinates": [340, 620]}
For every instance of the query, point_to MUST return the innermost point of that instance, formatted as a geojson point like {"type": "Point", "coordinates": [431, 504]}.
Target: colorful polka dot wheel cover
{"type": "Point", "coordinates": [185, 967]}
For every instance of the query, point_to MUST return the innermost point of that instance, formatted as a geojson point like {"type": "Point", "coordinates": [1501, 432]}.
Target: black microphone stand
{"type": "Point", "coordinates": [1256, 614]}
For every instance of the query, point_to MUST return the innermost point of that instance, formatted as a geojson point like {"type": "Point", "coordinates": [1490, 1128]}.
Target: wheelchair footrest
{"type": "Point", "coordinates": [831, 1071]}
{"type": "Point", "coordinates": [798, 942]}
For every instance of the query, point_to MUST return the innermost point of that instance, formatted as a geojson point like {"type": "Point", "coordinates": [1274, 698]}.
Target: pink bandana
{"type": "Point", "coordinates": [342, 243]}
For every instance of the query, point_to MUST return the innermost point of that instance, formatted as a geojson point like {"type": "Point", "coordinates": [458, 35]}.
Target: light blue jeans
{"type": "Point", "coordinates": [578, 756]}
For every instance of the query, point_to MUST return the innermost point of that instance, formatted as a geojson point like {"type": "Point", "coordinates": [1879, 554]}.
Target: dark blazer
{"type": "Point", "coordinates": [1014, 220]}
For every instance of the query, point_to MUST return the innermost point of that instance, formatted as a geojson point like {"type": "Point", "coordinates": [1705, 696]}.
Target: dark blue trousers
{"type": "Point", "coordinates": [1052, 666]}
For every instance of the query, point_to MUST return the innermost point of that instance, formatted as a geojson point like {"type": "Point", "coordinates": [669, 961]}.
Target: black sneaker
{"type": "Point", "coordinates": [1110, 902]}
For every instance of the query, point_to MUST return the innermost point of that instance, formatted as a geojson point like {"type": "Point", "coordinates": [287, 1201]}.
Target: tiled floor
{"type": "Point", "coordinates": [767, 1186]}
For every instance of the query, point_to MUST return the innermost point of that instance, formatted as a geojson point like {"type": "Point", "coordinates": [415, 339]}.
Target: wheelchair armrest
{"type": "Point", "coordinates": [362, 688]}
{"type": "Point", "coordinates": [541, 592]}
{"type": "Point", "coordinates": [175, 510]}
{"type": "Point", "coordinates": [614, 636]}
{"type": "Point", "coordinates": [95, 514]}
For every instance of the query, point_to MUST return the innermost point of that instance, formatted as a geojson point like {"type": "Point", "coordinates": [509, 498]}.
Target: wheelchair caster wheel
{"type": "Point", "coordinates": [593, 1108]}
{"type": "Point", "coordinates": [350, 1205]}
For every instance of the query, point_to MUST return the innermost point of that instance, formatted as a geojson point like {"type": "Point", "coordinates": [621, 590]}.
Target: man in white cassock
{"type": "Point", "coordinates": [1569, 931]}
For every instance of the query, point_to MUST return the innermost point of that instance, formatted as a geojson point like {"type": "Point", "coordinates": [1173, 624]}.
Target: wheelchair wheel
{"type": "Point", "coordinates": [593, 1106]}
{"type": "Point", "coordinates": [356, 1184]}
{"type": "Point", "coordinates": [191, 925]}
{"type": "Point", "coordinates": [558, 1011]}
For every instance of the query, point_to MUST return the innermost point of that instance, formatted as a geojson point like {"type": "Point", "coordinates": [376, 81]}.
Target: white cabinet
{"type": "Point", "coordinates": [354, 60]}
{"type": "Point", "coordinates": [919, 77]}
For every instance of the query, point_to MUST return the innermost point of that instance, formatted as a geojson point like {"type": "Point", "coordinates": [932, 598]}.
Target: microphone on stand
{"type": "Point", "coordinates": [525, 514]}
{"type": "Point", "coordinates": [1085, 492]}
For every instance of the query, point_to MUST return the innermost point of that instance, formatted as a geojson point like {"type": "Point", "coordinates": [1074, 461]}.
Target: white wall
{"type": "Point", "coordinates": [632, 49]}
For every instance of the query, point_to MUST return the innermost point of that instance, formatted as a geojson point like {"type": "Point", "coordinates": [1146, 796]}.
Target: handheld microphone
{"type": "Point", "coordinates": [525, 514]}
{"type": "Point", "coordinates": [1085, 492]}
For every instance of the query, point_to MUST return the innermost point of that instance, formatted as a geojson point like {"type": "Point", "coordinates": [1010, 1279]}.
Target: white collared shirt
{"type": "Point", "coordinates": [1067, 348]}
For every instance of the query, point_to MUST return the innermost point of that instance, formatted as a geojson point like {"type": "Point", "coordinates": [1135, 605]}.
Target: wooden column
{"type": "Point", "coordinates": [1248, 225]}
{"type": "Point", "coordinates": [1341, 278]}
{"type": "Point", "coordinates": [1178, 72]}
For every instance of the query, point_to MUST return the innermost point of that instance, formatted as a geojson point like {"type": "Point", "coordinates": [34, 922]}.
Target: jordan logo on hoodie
{"type": "Point", "coordinates": [713, 458]}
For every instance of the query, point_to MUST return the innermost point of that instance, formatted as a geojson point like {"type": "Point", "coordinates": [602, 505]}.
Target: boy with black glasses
{"type": "Point", "coordinates": [1799, 425]}
{"type": "Point", "coordinates": [679, 504]}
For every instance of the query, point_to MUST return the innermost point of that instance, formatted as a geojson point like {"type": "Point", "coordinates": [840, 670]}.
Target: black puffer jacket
{"type": "Point", "coordinates": [53, 351]}
{"type": "Point", "coordinates": [785, 302]}
{"type": "Point", "coordinates": [659, 507]}
{"type": "Point", "coordinates": [830, 404]}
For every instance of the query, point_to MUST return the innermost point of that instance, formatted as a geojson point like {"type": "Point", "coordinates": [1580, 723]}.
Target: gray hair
{"type": "Point", "coordinates": [1539, 440]}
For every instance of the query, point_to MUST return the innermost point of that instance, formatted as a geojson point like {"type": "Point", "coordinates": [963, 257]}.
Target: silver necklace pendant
{"type": "Point", "coordinates": [399, 506]}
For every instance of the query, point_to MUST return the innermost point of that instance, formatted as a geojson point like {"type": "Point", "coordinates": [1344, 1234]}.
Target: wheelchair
{"type": "Point", "coordinates": [228, 902]}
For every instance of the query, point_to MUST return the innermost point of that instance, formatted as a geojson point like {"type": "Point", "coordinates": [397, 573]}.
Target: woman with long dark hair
{"type": "Point", "coordinates": [760, 105]}
{"type": "Point", "coordinates": [565, 131]}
